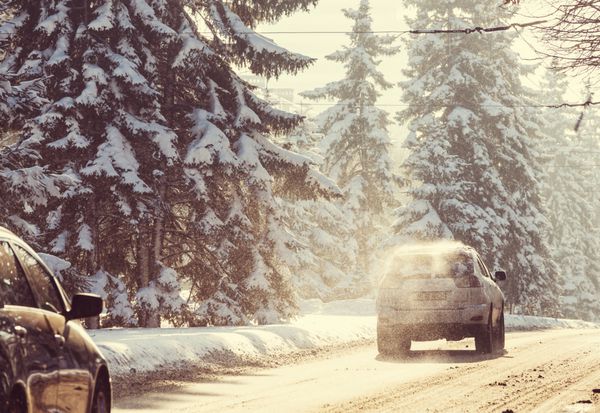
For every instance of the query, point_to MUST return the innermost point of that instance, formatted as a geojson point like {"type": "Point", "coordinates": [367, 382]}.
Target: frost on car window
{"type": "Point", "coordinates": [432, 265]}
{"type": "Point", "coordinates": [461, 265]}
{"type": "Point", "coordinates": [417, 264]}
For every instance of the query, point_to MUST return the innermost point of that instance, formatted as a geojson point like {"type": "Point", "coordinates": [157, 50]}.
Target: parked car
{"type": "Point", "coordinates": [439, 292]}
{"type": "Point", "coordinates": [48, 363]}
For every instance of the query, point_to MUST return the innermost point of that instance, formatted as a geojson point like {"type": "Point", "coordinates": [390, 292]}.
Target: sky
{"type": "Point", "coordinates": [327, 16]}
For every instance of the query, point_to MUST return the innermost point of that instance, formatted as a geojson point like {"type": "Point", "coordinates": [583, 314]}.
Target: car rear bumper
{"type": "Point", "coordinates": [451, 324]}
{"type": "Point", "coordinates": [468, 315]}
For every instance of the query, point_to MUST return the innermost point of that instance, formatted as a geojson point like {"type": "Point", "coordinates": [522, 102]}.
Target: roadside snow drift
{"type": "Point", "coordinates": [323, 325]}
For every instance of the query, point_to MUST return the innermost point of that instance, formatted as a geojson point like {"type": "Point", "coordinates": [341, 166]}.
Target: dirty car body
{"type": "Point", "coordinates": [440, 293]}
{"type": "Point", "coordinates": [48, 363]}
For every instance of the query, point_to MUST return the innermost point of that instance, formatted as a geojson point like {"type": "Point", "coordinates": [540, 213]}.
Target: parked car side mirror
{"type": "Point", "coordinates": [500, 275]}
{"type": "Point", "coordinates": [84, 306]}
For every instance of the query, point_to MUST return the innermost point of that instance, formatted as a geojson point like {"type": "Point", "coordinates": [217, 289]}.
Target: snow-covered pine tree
{"type": "Point", "coordinates": [320, 233]}
{"type": "Point", "coordinates": [572, 201]}
{"type": "Point", "coordinates": [472, 163]}
{"type": "Point", "coordinates": [18, 101]}
{"type": "Point", "coordinates": [102, 126]}
{"type": "Point", "coordinates": [22, 188]}
{"type": "Point", "coordinates": [233, 160]}
{"type": "Point", "coordinates": [564, 192]}
{"type": "Point", "coordinates": [588, 140]}
{"type": "Point", "coordinates": [356, 143]}
{"type": "Point", "coordinates": [169, 146]}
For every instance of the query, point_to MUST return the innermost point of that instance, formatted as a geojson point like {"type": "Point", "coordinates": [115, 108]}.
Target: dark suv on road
{"type": "Point", "coordinates": [48, 363]}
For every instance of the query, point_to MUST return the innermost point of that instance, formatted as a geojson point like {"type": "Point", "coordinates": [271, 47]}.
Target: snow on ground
{"type": "Point", "coordinates": [321, 325]}
{"type": "Point", "coordinates": [516, 322]}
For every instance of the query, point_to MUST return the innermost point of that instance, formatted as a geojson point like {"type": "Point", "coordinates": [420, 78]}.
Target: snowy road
{"type": "Point", "coordinates": [548, 371]}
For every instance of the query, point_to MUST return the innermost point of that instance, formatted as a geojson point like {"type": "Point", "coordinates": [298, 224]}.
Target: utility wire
{"type": "Point", "coordinates": [467, 30]}
{"type": "Point", "coordinates": [443, 105]}
{"type": "Point", "coordinates": [479, 29]}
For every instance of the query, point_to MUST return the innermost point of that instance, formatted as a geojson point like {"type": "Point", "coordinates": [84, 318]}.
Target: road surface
{"type": "Point", "coordinates": [544, 371]}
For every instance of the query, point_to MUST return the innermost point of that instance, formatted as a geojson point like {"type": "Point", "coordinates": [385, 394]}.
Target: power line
{"type": "Point", "coordinates": [324, 32]}
{"type": "Point", "coordinates": [442, 105]}
{"type": "Point", "coordinates": [479, 29]}
{"type": "Point", "coordinates": [567, 151]}
{"type": "Point", "coordinates": [580, 167]}
{"type": "Point", "coordinates": [467, 30]}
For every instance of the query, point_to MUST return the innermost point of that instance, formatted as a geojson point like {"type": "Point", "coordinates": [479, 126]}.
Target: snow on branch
{"type": "Point", "coordinates": [19, 99]}
{"type": "Point", "coordinates": [261, 54]}
{"type": "Point", "coordinates": [104, 18]}
{"type": "Point", "coordinates": [252, 12]}
{"type": "Point", "coordinates": [282, 120]}
{"type": "Point", "coordinates": [145, 13]}
{"type": "Point", "coordinates": [479, 29]}
{"type": "Point", "coordinates": [585, 104]}
{"type": "Point", "coordinates": [272, 154]}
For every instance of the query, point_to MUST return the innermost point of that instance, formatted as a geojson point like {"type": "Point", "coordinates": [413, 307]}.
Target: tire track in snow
{"type": "Point", "coordinates": [552, 374]}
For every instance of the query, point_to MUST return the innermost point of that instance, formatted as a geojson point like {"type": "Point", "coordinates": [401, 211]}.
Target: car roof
{"type": "Point", "coordinates": [7, 234]}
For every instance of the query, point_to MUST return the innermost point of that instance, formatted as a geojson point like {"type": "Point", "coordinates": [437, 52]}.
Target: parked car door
{"type": "Point", "coordinates": [28, 337]}
{"type": "Point", "coordinates": [75, 379]}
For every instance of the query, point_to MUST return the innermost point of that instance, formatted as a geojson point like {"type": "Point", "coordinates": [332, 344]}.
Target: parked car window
{"type": "Point", "coordinates": [14, 287]}
{"type": "Point", "coordinates": [41, 282]}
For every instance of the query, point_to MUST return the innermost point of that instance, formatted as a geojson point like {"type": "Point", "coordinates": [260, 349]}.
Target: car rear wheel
{"type": "Point", "coordinates": [501, 334]}
{"type": "Point", "coordinates": [385, 341]}
{"type": "Point", "coordinates": [101, 400]}
{"type": "Point", "coordinates": [485, 337]}
{"type": "Point", "coordinates": [392, 342]}
{"type": "Point", "coordinates": [404, 343]}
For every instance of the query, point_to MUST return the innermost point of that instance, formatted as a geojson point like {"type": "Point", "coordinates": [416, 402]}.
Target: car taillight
{"type": "Point", "coordinates": [467, 281]}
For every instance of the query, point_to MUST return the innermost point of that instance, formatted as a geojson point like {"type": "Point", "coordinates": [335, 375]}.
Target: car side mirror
{"type": "Point", "coordinates": [84, 306]}
{"type": "Point", "coordinates": [500, 275]}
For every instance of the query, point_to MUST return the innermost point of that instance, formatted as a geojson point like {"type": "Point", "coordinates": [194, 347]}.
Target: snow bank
{"type": "Point", "coordinates": [322, 325]}
{"type": "Point", "coordinates": [516, 322]}
{"type": "Point", "coordinates": [356, 307]}
{"type": "Point", "coordinates": [144, 350]}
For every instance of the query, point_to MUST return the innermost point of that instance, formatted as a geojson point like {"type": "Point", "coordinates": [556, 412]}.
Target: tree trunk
{"type": "Point", "coordinates": [93, 323]}
{"type": "Point", "coordinates": [159, 224]}
{"type": "Point", "coordinates": [147, 318]}
{"type": "Point", "coordinates": [152, 320]}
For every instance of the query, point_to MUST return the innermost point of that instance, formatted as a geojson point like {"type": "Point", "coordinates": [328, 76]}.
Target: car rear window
{"type": "Point", "coordinates": [428, 265]}
{"type": "Point", "coordinates": [14, 288]}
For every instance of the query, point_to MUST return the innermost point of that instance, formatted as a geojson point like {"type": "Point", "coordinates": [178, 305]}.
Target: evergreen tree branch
{"type": "Point", "coordinates": [479, 29]}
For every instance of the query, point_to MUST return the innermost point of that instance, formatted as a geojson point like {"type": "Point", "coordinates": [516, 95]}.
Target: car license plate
{"type": "Point", "coordinates": [431, 295]}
